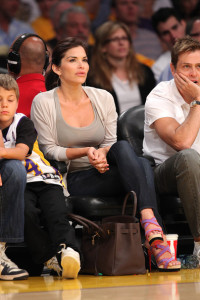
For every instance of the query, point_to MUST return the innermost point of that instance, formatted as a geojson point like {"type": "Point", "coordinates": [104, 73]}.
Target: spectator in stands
{"type": "Point", "coordinates": [28, 10]}
{"type": "Point", "coordinates": [43, 25]}
{"type": "Point", "coordinates": [10, 27]}
{"type": "Point", "coordinates": [28, 60]}
{"type": "Point", "coordinates": [74, 22]}
{"type": "Point", "coordinates": [145, 42]}
{"type": "Point", "coordinates": [114, 67]}
{"type": "Point", "coordinates": [13, 177]}
{"type": "Point", "coordinates": [98, 11]}
{"type": "Point", "coordinates": [172, 132]}
{"type": "Point", "coordinates": [77, 124]}
{"type": "Point", "coordinates": [56, 11]}
{"type": "Point", "coordinates": [188, 9]}
{"type": "Point", "coordinates": [193, 28]}
{"type": "Point", "coordinates": [148, 8]}
{"type": "Point", "coordinates": [169, 26]}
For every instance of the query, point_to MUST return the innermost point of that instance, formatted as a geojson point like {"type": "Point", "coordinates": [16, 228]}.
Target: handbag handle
{"type": "Point", "coordinates": [134, 202]}
{"type": "Point", "coordinates": [87, 223]}
{"type": "Point", "coordinates": [76, 218]}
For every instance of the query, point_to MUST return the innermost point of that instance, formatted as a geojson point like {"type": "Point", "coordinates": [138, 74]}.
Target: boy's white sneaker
{"type": "Point", "coordinates": [70, 262]}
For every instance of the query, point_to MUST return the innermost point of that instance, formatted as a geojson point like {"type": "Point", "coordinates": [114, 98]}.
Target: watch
{"type": "Point", "coordinates": [194, 103]}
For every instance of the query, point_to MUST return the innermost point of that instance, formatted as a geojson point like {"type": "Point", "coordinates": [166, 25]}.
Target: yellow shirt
{"type": "Point", "coordinates": [44, 28]}
{"type": "Point", "coordinates": [145, 60]}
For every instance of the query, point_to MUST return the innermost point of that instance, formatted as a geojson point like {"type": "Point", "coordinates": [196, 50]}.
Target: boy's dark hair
{"type": "Point", "coordinates": [162, 15]}
{"type": "Point", "coordinates": [183, 45]}
{"type": "Point", "coordinates": [9, 83]}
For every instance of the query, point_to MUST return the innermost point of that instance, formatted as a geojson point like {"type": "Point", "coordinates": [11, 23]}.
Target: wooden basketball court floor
{"type": "Point", "coordinates": [156, 285]}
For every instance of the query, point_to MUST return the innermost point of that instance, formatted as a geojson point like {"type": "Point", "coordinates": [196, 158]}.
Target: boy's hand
{"type": "Point", "coordinates": [0, 181]}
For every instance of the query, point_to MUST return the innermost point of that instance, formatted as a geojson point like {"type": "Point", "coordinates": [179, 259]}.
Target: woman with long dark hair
{"type": "Point", "coordinates": [77, 124]}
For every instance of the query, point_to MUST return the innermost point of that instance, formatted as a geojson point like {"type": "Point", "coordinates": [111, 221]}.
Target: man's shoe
{"type": "Point", "coordinates": [70, 262]}
{"type": "Point", "coordinates": [53, 264]}
{"type": "Point", "coordinates": [11, 273]}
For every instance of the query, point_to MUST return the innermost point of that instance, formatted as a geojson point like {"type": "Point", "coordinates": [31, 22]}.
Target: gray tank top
{"type": "Point", "coordinates": [78, 137]}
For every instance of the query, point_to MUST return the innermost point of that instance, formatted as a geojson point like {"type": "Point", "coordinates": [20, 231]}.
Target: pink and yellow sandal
{"type": "Point", "coordinates": [163, 264]}
{"type": "Point", "coordinates": [154, 238]}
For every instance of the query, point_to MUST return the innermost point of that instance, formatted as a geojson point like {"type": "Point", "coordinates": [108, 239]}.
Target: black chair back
{"type": "Point", "coordinates": [130, 127]}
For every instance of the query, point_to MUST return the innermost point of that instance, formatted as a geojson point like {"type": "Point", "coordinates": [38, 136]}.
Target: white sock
{"type": "Point", "coordinates": [196, 247]}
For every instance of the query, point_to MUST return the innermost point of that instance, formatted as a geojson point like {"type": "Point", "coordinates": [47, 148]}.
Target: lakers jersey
{"type": "Point", "coordinates": [37, 167]}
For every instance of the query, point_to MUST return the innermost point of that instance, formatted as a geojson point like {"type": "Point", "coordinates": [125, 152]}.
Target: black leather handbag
{"type": "Point", "coordinates": [113, 247]}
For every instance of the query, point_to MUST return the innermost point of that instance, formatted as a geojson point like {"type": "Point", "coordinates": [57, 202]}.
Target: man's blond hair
{"type": "Point", "coordinates": [183, 45]}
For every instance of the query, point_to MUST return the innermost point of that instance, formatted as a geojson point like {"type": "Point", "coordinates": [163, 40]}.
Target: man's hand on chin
{"type": "Point", "coordinates": [189, 90]}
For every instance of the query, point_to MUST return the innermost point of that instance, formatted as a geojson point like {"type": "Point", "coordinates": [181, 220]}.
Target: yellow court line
{"type": "Point", "coordinates": [50, 283]}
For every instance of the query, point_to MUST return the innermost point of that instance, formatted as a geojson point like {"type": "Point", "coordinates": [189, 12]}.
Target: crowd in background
{"type": "Point", "coordinates": [54, 20]}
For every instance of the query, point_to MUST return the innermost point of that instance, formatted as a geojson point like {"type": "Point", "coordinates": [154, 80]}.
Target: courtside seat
{"type": "Point", "coordinates": [94, 208]}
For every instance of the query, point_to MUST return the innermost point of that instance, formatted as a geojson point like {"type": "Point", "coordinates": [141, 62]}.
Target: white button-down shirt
{"type": "Point", "coordinates": [164, 101]}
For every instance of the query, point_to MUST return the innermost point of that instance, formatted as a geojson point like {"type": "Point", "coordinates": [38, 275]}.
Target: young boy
{"type": "Point", "coordinates": [44, 199]}
{"type": "Point", "coordinates": [13, 175]}
{"type": "Point", "coordinates": [45, 205]}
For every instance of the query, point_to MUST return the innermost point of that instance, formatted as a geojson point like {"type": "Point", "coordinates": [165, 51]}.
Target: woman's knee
{"type": "Point", "coordinates": [123, 148]}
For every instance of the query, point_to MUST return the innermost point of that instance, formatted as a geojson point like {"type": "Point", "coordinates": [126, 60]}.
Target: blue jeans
{"type": "Point", "coordinates": [13, 176]}
{"type": "Point", "coordinates": [126, 172]}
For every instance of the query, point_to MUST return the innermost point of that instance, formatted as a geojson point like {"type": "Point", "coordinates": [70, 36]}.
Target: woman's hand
{"type": "Point", "coordinates": [188, 89]}
{"type": "Point", "coordinates": [97, 158]}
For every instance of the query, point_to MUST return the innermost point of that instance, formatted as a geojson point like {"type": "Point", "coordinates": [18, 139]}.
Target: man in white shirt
{"type": "Point", "coordinates": [171, 133]}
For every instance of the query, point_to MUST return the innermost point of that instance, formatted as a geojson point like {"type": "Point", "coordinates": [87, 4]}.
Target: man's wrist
{"type": "Point", "coordinates": [194, 103]}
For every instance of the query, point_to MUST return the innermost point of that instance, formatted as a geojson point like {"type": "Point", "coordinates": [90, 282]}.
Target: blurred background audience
{"type": "Point", "coordinates": [28, 10]}
{"type": "Point", "coordinates": [42, 25]}
{"type": "Point", "coordinates": [74, 22]}
{"type": "Point", "coordinates": [114, 67]}
{"type": "Point", "coordinates": [187, 8]}
{"type": "Point", "coordinates": [145, 41]}
{"type": "Point", "coordinates": [10, 27]}
{"type": "Point", "coordinates": [154, 25]}
{"type": "Point", "coordinates": [193, 28]}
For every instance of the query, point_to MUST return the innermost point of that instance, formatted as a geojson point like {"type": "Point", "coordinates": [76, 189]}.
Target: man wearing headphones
{"type": "Point", "coordinates": [27, 62]}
